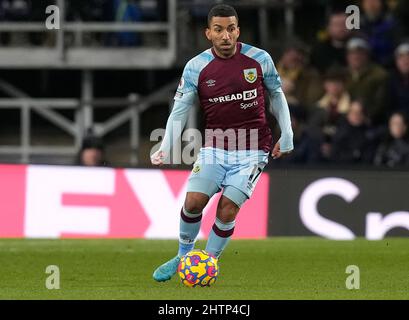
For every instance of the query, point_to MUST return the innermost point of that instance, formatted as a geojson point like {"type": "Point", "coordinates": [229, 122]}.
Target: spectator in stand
{"type": "Point", "coordinates": [400, 10]}
{"type": "Point", "coordinates": [15, 11]}
{"type": "Point", "coordinates": [121, 11]}
{"type": "Point", "coordinates": [127, 11]}
{"type": "Point", "coordinates": [304, 80]}
{"type": "Point", "coordinates": [306, 149]}
{"type": "Point", "coordinates": [399, 82]}
{"type": "Point", "coordinates": [90, 10]}
{"type": "Point", "coordinates": [381, 29]}
{"type": "Point", "coordinates": [37, 14]}
{"type": "Point", "coordinates": [354, 141]}
{"type": "Point", "coordinates": [366, 80]}
{"type": "Point", "coordinates": [330, 109]}
{"type": "Point", "coordinates": [330, 50]}
{"type": "Point", "coordinates": [293, 101]}
{"type": "Point", "coordinates": [334, 103]}
{"type": "Point", "coordinates": [92, 152]}
{"type": "Point", "coordinates": [394, 150]}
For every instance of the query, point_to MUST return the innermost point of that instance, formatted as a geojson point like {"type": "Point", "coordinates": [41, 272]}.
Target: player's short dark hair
{"type": "Point", "coordinates": [222, 10]}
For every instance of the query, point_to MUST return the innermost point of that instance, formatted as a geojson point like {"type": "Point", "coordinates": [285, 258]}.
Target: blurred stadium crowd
{"type": "Point", "coordinates": [348, 90]}
{"type": "Point", "coordinates": [90, 10]}
{"type": "Point", "coordinates": [84, 11]}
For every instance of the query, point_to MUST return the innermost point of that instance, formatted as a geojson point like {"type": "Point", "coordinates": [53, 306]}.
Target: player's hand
{"type": "Point", "coordinates": [157, 158]}
{"type": "Point", "coordinates": [276, 153]}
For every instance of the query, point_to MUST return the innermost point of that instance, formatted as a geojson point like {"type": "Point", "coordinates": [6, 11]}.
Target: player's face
{"type": "Point", "coordinates": [223, 32]}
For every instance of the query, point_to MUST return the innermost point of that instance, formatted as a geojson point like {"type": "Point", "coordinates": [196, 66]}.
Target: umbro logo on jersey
{"type": "Point", "coordinates": [211, 83]}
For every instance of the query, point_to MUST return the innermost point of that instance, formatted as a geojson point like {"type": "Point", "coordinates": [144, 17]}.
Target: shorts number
{"type": "Point", "coordinates": [255, 173]}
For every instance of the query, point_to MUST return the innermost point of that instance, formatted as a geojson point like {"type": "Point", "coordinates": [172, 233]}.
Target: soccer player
{"type": "Point", "coordinates": [229, 80]}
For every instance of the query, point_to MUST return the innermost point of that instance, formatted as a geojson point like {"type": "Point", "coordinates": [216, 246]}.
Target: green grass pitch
{"type": "Point", "coordinates": [276, 268]}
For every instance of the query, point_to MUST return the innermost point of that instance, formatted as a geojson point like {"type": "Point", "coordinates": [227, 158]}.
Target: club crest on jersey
{"type": "Point", "coordinates": [250, 75]}
{"type": "Point", "coordinates": [196, 169]}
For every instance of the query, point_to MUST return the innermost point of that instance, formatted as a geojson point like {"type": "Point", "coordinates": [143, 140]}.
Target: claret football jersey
{"type": "Point", "coordinates": [231, 93]}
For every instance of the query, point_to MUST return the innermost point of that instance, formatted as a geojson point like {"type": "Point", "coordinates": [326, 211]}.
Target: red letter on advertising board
{"type": "Point", "coordinates": [12, 200]}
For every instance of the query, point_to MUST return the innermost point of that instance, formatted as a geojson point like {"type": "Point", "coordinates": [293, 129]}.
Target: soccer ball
{"type": "Point", "coordinates": [198, 268]}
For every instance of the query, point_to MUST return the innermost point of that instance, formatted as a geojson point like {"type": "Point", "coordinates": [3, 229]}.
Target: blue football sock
{"type": "Point", "coordinates": [219, 237]}
{"type": "Point", "coordinates": [188, 231]}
